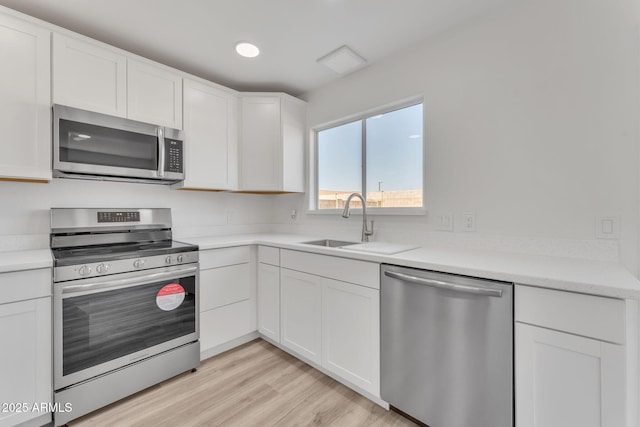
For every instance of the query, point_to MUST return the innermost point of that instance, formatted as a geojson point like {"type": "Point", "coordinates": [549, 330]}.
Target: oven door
{"type": "Point", "coordinates": [101, 324]}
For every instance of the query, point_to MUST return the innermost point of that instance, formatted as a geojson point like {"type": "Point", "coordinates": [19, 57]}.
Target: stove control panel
{"type": "Point", "coordinates": [75, 272]}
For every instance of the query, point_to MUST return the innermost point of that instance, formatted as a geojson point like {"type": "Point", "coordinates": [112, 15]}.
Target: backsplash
{"type": "Point", "coordinates": [24, 218]}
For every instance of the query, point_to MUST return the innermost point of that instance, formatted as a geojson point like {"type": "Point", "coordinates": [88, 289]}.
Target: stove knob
{"type": "Point", "coordinates": [139, 263]}
{"type": "Point", "coordinates": [180, 258]}
{"type": "Point", "coordinates": [102, 268]}
{"type": "Point", "coordinates": [84, 270]}
{"type": "Point", "coordinates": [168, 260]}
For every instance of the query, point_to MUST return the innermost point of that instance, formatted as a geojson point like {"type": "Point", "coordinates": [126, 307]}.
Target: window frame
{"type": "Point", "coordinates": [363, 116]}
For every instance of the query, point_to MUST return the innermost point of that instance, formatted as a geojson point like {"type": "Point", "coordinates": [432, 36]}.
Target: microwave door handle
{"type": "Point", "coordinates": [161, 154]}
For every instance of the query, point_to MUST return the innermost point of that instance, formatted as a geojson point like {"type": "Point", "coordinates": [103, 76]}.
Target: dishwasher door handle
{"type": "Point", "coordinates": [445, 285]}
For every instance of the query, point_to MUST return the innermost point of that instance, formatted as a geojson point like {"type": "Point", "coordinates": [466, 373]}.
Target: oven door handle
{"type": "Point", "coordinates": [108, 285]}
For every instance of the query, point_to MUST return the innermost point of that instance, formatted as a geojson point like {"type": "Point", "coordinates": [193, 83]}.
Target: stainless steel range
{"type": "Point", "coordinates": [125, 305]}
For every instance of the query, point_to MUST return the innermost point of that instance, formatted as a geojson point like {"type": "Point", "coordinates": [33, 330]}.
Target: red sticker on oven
{"type": "Point", "coordinates": [170, 297]}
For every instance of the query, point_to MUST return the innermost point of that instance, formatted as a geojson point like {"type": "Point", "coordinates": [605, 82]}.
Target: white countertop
{"type": "Point", "coordinates": [570, 274]}
{"type": "Point", "coordinates": [25, 260]}
{"type": "Point", "coordinates": [577, 275]}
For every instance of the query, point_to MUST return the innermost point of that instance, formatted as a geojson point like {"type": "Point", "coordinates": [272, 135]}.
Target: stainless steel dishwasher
{"type": "Point", "coordinates": [447, 347]}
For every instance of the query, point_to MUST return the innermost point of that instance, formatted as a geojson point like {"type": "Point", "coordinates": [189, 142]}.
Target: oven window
{"type": "Point", "coordinates": [107, 325]}
{"type": "Point", "coordinates": [97, 145]}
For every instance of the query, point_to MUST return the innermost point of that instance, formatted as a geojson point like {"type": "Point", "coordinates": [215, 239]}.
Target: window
{"type": "Point", "coordinates": [379, 155]}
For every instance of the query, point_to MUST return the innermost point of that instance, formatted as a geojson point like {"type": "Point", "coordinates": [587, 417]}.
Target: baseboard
{"type": "Point", "coordinates": [45, 420]}
{"type": "Point", "coordinates": [214, 351]}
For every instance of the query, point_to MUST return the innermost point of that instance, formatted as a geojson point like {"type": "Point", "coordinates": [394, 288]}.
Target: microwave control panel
{"type": "Point", "coordinates": [173, 155]}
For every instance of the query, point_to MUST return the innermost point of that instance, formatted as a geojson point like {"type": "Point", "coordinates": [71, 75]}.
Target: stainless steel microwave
{"type": "Point", "coordinates": [90, 145]}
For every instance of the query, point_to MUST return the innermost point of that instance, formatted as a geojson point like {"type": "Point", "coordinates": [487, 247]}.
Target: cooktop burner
{"type": "Point", "coordinates": [105, 253]}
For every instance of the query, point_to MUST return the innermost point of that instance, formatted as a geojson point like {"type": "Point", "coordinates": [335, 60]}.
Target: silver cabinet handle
{"type": "Point", "coordinates": [445, 285]}
{"type": "Point", "coordinates": [111, 284]}
{"type": "Point", "coordinates": [161, 154]}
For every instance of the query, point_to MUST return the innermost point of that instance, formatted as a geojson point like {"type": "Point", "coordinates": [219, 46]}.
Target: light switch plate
{"type": "Point", "coordinates": [608, 227]}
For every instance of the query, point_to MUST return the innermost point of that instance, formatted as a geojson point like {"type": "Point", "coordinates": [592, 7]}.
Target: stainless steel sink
{"type": "Point", "coordinates": [330, 243]}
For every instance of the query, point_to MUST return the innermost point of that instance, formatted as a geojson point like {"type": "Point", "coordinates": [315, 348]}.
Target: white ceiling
{"type": "Point", "coordinates": [198, 36]}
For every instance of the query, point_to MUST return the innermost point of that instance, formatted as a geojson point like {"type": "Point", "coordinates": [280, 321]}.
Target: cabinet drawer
{"type": "Point", "coordinates": [269, 255]}
{"type": "Point", "coordinates": [344, 269]}
{"type": "Point", "coordinates": [224, 324]}
{"type": "Point", "coordinates": [213, 258]}
{"type": "Point", "coordinates": [224, 285]}
{"type": "Point", "coordinates": [23, 285]}
{"type": "Point", "coordinates": [587, 315]}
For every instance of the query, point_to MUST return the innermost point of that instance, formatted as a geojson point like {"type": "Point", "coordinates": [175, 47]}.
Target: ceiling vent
{"type": "Point", "coordinates": [343, 60]}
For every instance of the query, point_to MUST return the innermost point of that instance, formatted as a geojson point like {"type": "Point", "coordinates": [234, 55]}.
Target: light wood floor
{"type": "Point", "coordinates": [256, 384]}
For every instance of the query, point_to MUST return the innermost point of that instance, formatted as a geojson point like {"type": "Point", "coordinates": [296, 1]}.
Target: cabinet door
{"type": "Point", "coordinates": [25, 359]}
{"type": "Point", "coordinates": [301, 311]}
{"type": "Point", "coordinates": [154, 95]}
{"type": "Point", "coordinates": [351, 333]}
{"type": "Point", "coordinates": [226, 323]}
{"type": "Point", "coordinates": [89, 76]}
{"type": "Point", "coordinates": [269, 301]}
{"type": "Point", "coordinates": [567, 380]}
{"type": "Point", "coordinates": [210, 123]}
{"type": "Point", "coordinates": [294, 122]}
{"type": "Point", "coordinates": [261, 144]}
{"type": "Point", "coordinates": [25, 100]}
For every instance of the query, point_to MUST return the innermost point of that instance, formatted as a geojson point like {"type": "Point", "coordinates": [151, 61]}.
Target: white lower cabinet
{"type": "Point", "coordinates": [570, 359]}
{"type": "Point", "coordinates": [25, 352]}
{"type": "Point", "coordinates": [351, 333]}
{"type": "Point", "coordinates": [568, 380]}
{"type": "Point", "coordinates": [227, 299]}
{"type": "Point", "coordinates": [224, 324]}
{"type": "Point", "coordinates": [329, 322]}
{"type": "Point", "coordinates": [301, 313]}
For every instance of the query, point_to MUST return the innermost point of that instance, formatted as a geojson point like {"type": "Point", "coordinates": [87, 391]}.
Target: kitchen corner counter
{"type": "Point", "coordinates": [25, 260]}
{"type": "Point", "coordinates": [570, 274]}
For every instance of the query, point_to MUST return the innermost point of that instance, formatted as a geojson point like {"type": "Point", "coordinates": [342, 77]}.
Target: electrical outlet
{"type": "Point", "coordinates": [444, 222]}
{"type": "Point", "coordinates": [468, 222]}
{"type": "Point", "coordinates": [294, 215]}
{"type": "Point", "coordinates": [230, 216]}
{"type": "Point", "coordinates": [607, 227]}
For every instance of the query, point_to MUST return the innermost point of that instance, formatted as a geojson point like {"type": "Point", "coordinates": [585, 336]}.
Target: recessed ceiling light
{"type": "Point", "coordinates": [415, 136]}
{"type": "Point", "coordinates": [248, 50]}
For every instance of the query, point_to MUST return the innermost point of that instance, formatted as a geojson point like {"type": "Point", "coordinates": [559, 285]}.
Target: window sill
{"type": "Point", "coordinates": [372, 211]}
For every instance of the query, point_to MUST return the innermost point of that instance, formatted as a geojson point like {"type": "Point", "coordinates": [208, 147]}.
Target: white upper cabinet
{"type": "Point", "coordinates": [25, 100]}
{"type": "Point", "coordinates": [272, 143]}
{"type": "Point", "coordinates": [154, 95]}
{"type": "Point", "coordinates": [211, 132]}
{"type": "Point", "coordinates": [93, 77]}
{"type": "Point", "coordinates": [89, 76]}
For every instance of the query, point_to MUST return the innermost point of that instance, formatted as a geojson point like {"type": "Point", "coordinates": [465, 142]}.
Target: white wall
{"type": "Point", "coordinates": [24, 213]}
{"type": "Point", "coordinates": [531, 118]}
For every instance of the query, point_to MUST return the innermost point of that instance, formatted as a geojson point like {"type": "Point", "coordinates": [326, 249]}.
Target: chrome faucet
{"type": "Point", "coordinates": [366, 231]}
